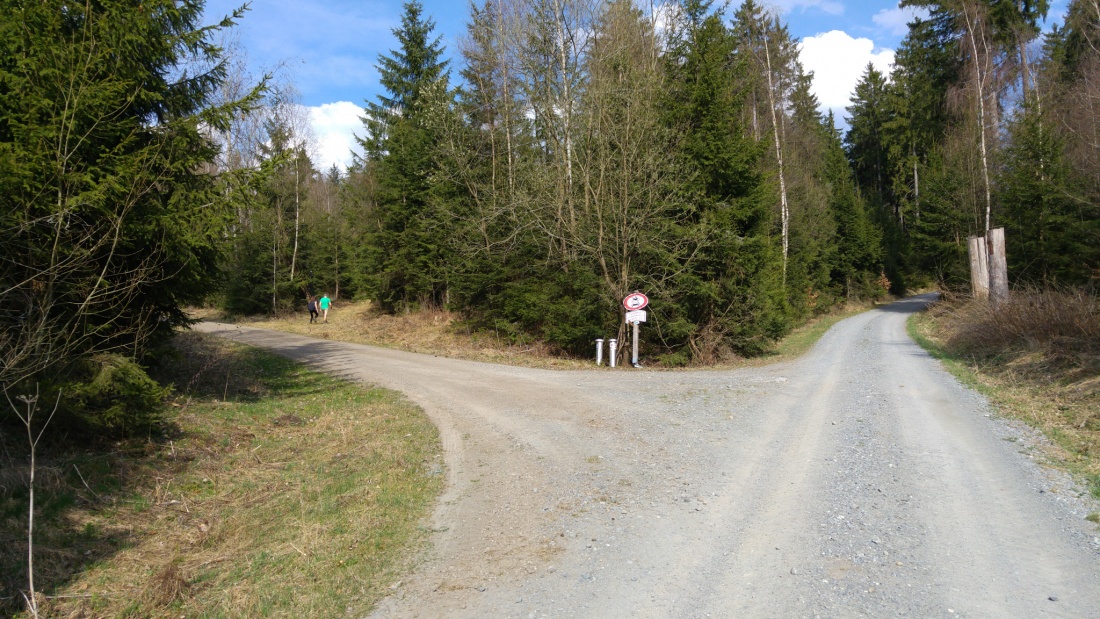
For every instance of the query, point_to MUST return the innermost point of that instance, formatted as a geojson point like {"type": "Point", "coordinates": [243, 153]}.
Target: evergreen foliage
{"type": "Point", "coordinates": [974, 133]}
{"type": "Point", "coordinates": [585, 158]}
{"type": "Point", "coordinates": [406, 255]}
{"type": "Point", "coordinates": [1053, 233]}
{"type": "Point", "coordinates": [866, 141]}
{"type": "Point", "coordinates": [732, 296]}
{"type": "Point", "coordinates": [589, 154]}
{"type": "Point", "coordinates": [857, 266]}
{"type": "Point", "coordinates": [275, 255]}
{"type": "Point", "coordinates": [109, 225]}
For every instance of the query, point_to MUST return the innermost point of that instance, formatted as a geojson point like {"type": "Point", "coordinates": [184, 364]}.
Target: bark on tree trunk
{"type": "Point", "coordinates": [981, 115]}
{"type": "Point", "coordinates": [998, 267]}
{"type": "Point", "coordinates": [275, 258]}
{"type": "Point", "coordinates": [297, 218]}
{"type": "Point", "coordinates": [568, 115]}
{"type": "Point", "coordinates": [784, 212]}
{"type": "Point", "coordinates": [979, 267]}
{"type": "Point", "coordinates": [506, 83]}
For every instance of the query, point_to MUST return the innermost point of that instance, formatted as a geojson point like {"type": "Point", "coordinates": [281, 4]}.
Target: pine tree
{"type": "Point", "coordinates": [405, 74]}
{"type": "Point", "coordinates": [857, 261]}
{"type": "Point", "coordinates": [1052, 232]}
{"type": "Point", "coordinates": [479, 158]}
{"type": "Point", "coordinates": [328, 233]}
{"type": "Point", "coordinates": [916, 121]}
{"type": "Point", "coordinates": [267, 250]}
{"type": "Point", "coordinates": [1073, 107]}
{"type": "Point", "coordinates": [1073, 42]}
{"type": "Point", "coordinates": [766, 47]}
{"type": "Point", "coordinates": [286, 172]}
{"type": "Point", "coordinates": [926, 66]}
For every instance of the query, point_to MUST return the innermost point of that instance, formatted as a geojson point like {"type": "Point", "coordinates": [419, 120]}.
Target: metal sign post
{"type": "Point", "coordinates": [634, 361]}
{"type": "Point", "coordinates": [635, 318]}
{"type": "Point", "coordinates": [635, 304]}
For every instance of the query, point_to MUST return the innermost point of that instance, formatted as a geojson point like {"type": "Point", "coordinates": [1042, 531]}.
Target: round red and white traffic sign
{"type": "Point", "coordinates": [635, 301]}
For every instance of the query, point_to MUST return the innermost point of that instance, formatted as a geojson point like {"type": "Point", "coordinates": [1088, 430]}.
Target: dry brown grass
{"type": "Point", "coordinates": [1057, 331]}
{"type": "Point", "coordinates": [1038, 356]}
{"type": "Point", "coordinates": [431, 332]}
{"type": "Point", "coordinates": [441, 333]}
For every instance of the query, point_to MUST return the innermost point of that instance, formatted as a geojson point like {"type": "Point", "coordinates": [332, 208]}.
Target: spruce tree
{"type": "Point", "coordinates": [405, 251]}
{"type": "Point", "coordinates": [917, 119]}
{"type": "Point", "coordinates": [857, 254]}
{"type": "Point", "coordinates": [865, 141]}
{"type": "Point", "coordinates": [1069, 45]}
{"type": "Point", "coordinates": [110, 224]}
{"type": "Point", "coordinates": [480, 159]}
{"type": "Point", "coordinates": [1052, 231]}
{"type": "Point", "coordinates": [734, 286]}
{"type": "Point", "coordinates": [405, 74]}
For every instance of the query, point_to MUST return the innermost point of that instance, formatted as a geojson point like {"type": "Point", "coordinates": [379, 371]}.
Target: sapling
{"type": "Point", "coordinates": [27, 417]}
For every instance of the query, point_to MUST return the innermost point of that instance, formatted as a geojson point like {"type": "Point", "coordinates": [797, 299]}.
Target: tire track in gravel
{"type": "Point", "coordinates": [858, 481]}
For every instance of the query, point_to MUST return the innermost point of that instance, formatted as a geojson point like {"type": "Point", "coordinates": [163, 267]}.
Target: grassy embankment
{"type": "Point", "coordinates": [1038, 360]}
{"type": "Point", "coordinates": [276, 492]}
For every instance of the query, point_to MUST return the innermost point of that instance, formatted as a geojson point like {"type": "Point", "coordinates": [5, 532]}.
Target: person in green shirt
{"type": "Point", "coordinates": [325, 303]}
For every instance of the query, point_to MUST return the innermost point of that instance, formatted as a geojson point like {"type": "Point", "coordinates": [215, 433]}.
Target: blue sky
{"type": "Point", "coordinates": [329, 49]}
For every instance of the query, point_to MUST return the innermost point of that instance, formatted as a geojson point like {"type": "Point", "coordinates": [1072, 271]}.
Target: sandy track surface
{"type": "Point", "coordinates": [858, 481]}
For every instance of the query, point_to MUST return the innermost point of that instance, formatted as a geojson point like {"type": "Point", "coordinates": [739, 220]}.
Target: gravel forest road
{"type": "Point", "coordinates": [860, 480]}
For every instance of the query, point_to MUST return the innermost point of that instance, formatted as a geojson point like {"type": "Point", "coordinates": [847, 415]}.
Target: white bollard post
{"type": "Point", "coordinates": [599, 351]}
{"type": "Point", "coordinates": [613, 344]}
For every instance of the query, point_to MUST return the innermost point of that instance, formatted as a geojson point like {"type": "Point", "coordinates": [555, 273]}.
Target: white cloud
{"type": "Point", "coordinates": [896, 21]}
{"type": "Point", "coordinates": [335, 125]}
{"type": "Point", "coordinates": [830, 7]}
{"type": "Point", "coordinates": [664, 15]}
{"type": "Point", "coordinates": [837, 61]}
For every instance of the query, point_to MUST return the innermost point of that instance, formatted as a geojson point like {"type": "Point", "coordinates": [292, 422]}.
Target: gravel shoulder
{"type": "Point", "coordinates": [859, 480]}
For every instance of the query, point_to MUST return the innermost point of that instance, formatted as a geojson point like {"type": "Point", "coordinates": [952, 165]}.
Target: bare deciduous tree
{"type": "Point", "coordinates": [27, 417]}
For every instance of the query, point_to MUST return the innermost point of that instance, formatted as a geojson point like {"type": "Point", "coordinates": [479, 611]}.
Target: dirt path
{"type": "Point", "coordinates": [858, 481]}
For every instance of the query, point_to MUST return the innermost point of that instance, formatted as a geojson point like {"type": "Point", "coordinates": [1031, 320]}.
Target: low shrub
{"type": "Point", "coordinates": [1063, 325]}
{"type": "Point", "coordinates": [112, 394]}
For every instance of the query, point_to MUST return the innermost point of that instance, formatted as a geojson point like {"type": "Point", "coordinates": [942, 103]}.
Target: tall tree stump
{"type": "Point", "coordinates": [979, 266]}
{"type": "Point", "coordinates": [998, 267]}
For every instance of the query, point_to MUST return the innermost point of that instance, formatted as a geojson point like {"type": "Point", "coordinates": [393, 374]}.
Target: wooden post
{"type": "Point", "coordinates": [998, 267]}
{"type": "Point", "coordinates": [979, 266]}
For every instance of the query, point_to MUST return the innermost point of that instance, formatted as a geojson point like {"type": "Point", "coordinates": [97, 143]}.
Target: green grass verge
{"type": "Point", "coordinates": [802, 339]}
{"type": "Point", "coordinates": [280, 492]}
{"type": "Point", "coordinates": [919, 327]}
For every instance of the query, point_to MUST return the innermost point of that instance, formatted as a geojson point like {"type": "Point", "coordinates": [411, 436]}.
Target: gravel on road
{"type": "Point", "coordinates": [861, 480]}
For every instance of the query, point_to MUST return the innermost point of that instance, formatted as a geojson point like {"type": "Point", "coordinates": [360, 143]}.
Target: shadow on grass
{"type": "Point", "coordinates": [81, 480]}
